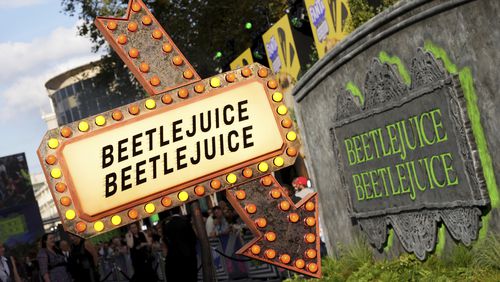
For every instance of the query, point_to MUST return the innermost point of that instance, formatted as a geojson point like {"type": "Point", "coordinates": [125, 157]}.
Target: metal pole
{"type": "Point", "coordinates": [206, 251]}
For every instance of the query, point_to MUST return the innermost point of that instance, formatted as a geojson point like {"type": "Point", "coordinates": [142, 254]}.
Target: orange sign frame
{"type": "Point", "coordinates": [159, 66]}
{"type": "Point", "coordinates": [58, 173]}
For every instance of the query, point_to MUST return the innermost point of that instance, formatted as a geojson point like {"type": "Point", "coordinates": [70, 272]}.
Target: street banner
{"type": "Point", "coordinates": [21, 224]}
{"type": "Point", "coordinates": [280, 48]}
{"type": "Point", "coordinates": [20, 220]}
{"type": "Point", "coordinates": [243, 59]}
{"type": "Point", "coordinates": [327, 19]}
{"type": "Point", "coordinates": [15, 181]}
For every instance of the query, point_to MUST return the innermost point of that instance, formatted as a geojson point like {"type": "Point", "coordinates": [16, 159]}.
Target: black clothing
{"type": "Point", "coordinates": [180, 264]}
{"type": "Point", "coordinates": [141, 260]}
{"type": "Point", "coordinates": [82, 265]}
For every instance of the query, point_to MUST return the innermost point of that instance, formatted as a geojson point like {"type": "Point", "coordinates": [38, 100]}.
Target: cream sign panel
{"type": "Point", "coordinates": [166, 149]}
{"type": "Point", "coordinates": [136, 160]}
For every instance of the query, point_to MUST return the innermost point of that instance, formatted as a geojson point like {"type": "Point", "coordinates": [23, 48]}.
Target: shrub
{"type": "Point", "coordinates": [461, 263]}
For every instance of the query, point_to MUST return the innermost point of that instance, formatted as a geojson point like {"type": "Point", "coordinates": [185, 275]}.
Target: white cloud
{"type": "Point", "coordinates": [4, 4]}
{"type": "Point", "coordinates": [24, 58]}
{"type": "Point", "coordinates": [26, 67]}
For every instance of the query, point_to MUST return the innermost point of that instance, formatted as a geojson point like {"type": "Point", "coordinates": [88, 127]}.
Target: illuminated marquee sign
{"type": "Point", "coordinates": [166, 150]}
{"type": "Point", "coordinates": [192, 138]}
{"type": "Point", "coordinates": [163, 150]}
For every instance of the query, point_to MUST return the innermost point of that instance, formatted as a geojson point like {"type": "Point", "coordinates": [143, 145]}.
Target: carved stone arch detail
{"type": "Point", "coordinates": [346, 106]}
{"type": "Point", "coordinates": [382, 84]}
{"type": "Point", "coordinates": [375, 229]}
{"type": "Point", "coordinates": [425, 70]}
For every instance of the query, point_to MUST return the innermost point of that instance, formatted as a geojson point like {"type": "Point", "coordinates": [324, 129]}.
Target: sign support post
{"type": "Point", "coordinates": [207, 262]}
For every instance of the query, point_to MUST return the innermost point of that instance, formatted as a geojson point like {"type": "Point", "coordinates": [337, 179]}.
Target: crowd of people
{"type": "Point", "coordinates": [157, 254]}
{"type": "Point", "coordinates": [164, 252]}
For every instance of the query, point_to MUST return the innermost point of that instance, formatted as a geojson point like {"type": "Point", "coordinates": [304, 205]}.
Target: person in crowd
{"type": "Point", "coordinates": [105, 253]}
{"type": "Point", "coordinates": [119, 256]}
{"type": "Point", "coordinates": [217, 224]}
{"type": "Point", "coordinates": [83, 260]}
{"type": "Point", "coordinates": [301, 187]}
{"type": "Point", "coordinates": [8, 269]}
{"type": "Point", "coordinates": [104, 249]}
{"type": "Point", "coordinates": [180, 238]}
{"type": "Point", "coordinates": [155, 236]}
{"type": "Point", "coordinates": [53, 266]}
{"type": "Point", "coordinates": [205, 215]}
{"type": "Point", "coordinates": [140, 254]}
{"type": "Point", "coordinates": [290, 192]}
{"type": "Point", "coordinates": [65, 248]}
{"type": "Point", "coordinates": [157, 261]}
{"type": "Point", "coordinates": [228, 212]}
{"type": "Point", "coordinates": [31, 268]}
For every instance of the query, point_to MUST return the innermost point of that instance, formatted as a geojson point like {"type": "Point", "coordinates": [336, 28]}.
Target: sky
{"type": "Point", "coordinates": [37, 42]}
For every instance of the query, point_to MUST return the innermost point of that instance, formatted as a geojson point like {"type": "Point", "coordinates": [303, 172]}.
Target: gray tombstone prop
{"type": "Point", "coordinates": [387, 102]}
{"type": "Point", "coordinates": [466, 34]}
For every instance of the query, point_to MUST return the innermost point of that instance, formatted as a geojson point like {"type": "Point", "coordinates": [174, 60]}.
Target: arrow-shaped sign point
{"type": "Point", "coordinates": [149, 52]}
{"type": "Point", "coordinates": [286, 234]}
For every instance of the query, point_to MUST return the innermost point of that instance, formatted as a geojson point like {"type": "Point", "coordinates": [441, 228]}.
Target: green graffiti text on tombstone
{"type": "Point", "coordinates": [395, 60]}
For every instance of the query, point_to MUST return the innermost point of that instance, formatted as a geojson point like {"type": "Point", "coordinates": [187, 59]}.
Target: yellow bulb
{"type": "Point", "coordinates": [116, 219]}
{"type": "Point", "coordinates": [100, 120]}
{"type": "Point", "coordinates": [70, 214]}
{"type": "Point", "coordinates": [279, 161]}
{"type": "Point", "coordinates": [150, 104]}
{"type": "Point", "coordinates": [149, 208]}
{"type": "Point", "coordinates": [183, 196]}
{"type": "Point", "coordinates": [263, 167]}
{"type": "Point", "coordinates": [231, 178]}
{"type": "Point", "coordinates": [282, 110]}
{"type": "Point", "coordinates": [215, 82]}
{"type": "Point", "coordinates": [291, 136]}
{"type": "Point", "coordinates": [98, 226]}
{"type": "Point", "coordinates": [277, 97]}
{"type": "Point", "coordinates": [53, 143]}
{"type": "Point", "coordinates": [83, 126]}
{"type": "Point", "coordinates": [55, 173]}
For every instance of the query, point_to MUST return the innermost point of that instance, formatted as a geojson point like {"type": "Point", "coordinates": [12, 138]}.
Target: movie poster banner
{"type": "Point", "coordinates": [328, 22]}
{"type": "Point", "coordinates": [21, 224]}
{"type": "Point", "coordinates": [242, 60]}
{"type": "Point", "coordinates": [281, 49]}
{"type": "Point", "coordinates": [15, 182]}
{"type": "Point", "coordinates": [20, 220]}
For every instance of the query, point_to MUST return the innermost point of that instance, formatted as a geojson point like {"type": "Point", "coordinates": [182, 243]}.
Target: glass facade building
{"type": "Point", "coordinates": [76, 94]}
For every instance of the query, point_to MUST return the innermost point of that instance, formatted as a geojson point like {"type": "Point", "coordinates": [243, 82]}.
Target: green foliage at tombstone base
{"type": "Point", "coordinates": [356, 263]}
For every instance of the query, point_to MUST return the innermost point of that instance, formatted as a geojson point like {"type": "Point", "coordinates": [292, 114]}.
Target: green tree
{"type": "Point", "coordinates": [200, 28]}
{"type": "Point", "coordinates": [363, 10]}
